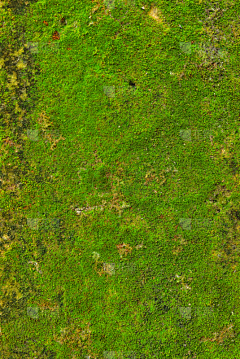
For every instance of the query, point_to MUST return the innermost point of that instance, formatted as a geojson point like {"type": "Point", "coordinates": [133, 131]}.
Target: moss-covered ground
{"type": "Point", "coordinates": [120, 215]}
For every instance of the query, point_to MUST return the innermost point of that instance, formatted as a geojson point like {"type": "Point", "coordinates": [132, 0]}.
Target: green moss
{"type": "Point", "coordinates": [130, 131]}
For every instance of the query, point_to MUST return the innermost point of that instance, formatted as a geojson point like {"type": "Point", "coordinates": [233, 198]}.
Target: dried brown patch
{"type": "Point", "coordinates": [225, 333]}
{"type": "Point", "coordinates": [156, 14]}
{"type": "Point", "coordinates": [124, 249]}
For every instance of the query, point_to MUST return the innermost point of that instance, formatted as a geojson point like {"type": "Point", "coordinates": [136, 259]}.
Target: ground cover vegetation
{"type": "Point", "coordinates": [119, 179]}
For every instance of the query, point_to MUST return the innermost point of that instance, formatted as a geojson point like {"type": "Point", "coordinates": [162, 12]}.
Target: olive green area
{"type": "Point", "coordinates": [119, 205]}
